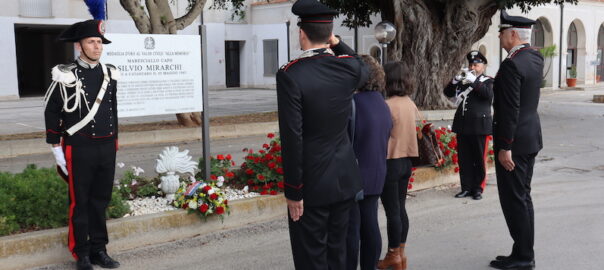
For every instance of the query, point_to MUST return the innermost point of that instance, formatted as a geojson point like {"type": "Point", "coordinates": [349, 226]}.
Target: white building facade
{"type": "Point", "coordinates": [247, 51]}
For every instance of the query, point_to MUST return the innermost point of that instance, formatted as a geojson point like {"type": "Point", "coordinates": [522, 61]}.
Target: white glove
{"type": "Point", "coordinates": [457, 79]}
{"type": "Point", "coordinates": [470, 78]}
{"type": "Point", "coordinates": [60, 158]}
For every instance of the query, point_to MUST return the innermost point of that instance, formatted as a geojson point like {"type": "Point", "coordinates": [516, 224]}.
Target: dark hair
{"type": "Point", "coordinates": [376, 81]}
{"type": "Point", "coordinates": [399, 80]}
{"type": "Point", "coordinates": [317, 32]}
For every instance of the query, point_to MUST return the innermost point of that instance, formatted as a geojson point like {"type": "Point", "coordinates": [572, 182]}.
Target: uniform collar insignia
{"type": "Point", "coordinates": [516, 48]}
{"type": "Point", "coordinates": [315, 51]}
{"type": "Point", "coordinates": [85, 64]}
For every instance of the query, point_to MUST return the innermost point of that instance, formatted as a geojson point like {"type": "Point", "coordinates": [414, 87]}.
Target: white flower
{"type": "Point", "coordinates": [120, 164]}
{"type": "Point", "coordinates": [211, 191]}
{"type": "Point", "coordinates": [193, 204]}
{"type": "Point", "coordinates": [133, 182]}
{"type": "Point", "coordinates": [220, 181]}
{"type": "Point", "coordinates": [245, 189]}
{"type": "Point", "coordinates": [449, 127]}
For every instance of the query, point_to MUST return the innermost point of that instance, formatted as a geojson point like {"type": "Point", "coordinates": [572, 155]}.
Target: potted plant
{"type": "Point", "coordinates": [548, 53]}
{"type": "Point", "coordinates": [571, 80]}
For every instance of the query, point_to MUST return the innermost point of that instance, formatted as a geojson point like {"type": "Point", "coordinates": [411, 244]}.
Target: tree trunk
{"type": "Point", "coordinates": [433, 37]}
{"type": "Point", "coordinates": [157, 18]}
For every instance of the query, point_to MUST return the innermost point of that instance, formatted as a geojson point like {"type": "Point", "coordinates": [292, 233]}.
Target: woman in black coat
{"type": "Point", "coordinates": [372, 130]}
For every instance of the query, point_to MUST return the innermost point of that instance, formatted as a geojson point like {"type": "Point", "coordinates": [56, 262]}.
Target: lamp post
{"type": "Point", "coordinates": [385, 32]}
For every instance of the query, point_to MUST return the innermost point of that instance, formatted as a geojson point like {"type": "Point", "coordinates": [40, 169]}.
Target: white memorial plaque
{"type": "Point", "coordinates": [161, 74]}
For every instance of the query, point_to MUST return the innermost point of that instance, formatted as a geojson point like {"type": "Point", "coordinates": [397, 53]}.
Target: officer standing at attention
{"type": "Point", "coordinates": [517, 136]}
{"type": "Point", "coordinates": [322, 178]}
{"type": "Point", "coordinates": [472, 123]}
{"type": "Point", "coordinates": [81, 125]}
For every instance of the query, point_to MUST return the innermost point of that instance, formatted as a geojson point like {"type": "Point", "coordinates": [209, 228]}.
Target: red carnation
{"type": "Point", "coordinates": [279, 170]}
{"type": "Point", "coordinates": [229, 157]}
{"type": "Point", "coordinates": [213, 177]}
{"type": "Point", "coordinates": [220, 157]}
{"type": "Point", "coordinates": [413, 169]}
{"type": "Point", "coordinates": [261, 151]}
{"type": "Point", "coordinates": [219, 210]}
{"type": "Point", "coordinates": [452, 144]}
{"type": "Point", "coordinates": [410, 186]}
{"type": "Point", "coordinates": [203, 208]}
{"type": "Point", "coordinates": [411, 180]}
{"type": "Point", "coordinates": [491, 152]}
{"type": "Point", "coordinates": [454, 158]}
{"type": "Point", "coordinates": [447, 152]}
{"type": "Point", "coordinates": [276, 148]}
{"type": "Point", "coordinates": [206, 189]}
{"type": "Point", "coordinates": [264, 192]}
{"type": "Point", "coordinates": [232, 163]}
{"type": "Point", "coordinates": [272, 165]}
{"type": "Point", "coordinates": [226, 202]}
{"type": "Point", "coordinates": [456, 169]}
{"type": "Point", "coordinates": [250, 182]}
{"type": "Point", "coordinates": [229, 174]}
{"type": "Point", "coordinates": [280, 184]}
{"type": "Point", "coordinates": [213, 196]}
{"type": "Point", "coordinates": [249, 171]}
{"type": "Point", "coordinates": [268, 157]}
{"type": "Point", "coordinates": [260, 177]}
{"type": "Point", "coordinates": [270, 135]}
{"type": "Point", "coordinates": [273, 192]}
{"type": "Point", "coordinates": [265, 146]}
{"type": "Point", "coordinates": [279, 159]}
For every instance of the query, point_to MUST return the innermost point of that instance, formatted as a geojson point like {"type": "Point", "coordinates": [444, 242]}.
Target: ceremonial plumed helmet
{"type": "Point", "coordinates": [508, 21]}
{"type": "Point", "coordinates": [476, 57]}
{"type": "Point", "coordinates": [311, 11]}
{"type": "Point", "coordinates": [85, 29]}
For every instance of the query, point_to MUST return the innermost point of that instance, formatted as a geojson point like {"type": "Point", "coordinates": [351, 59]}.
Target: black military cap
{"type": "Point", "coordinates": [85, 29]}
{"type": "Point", "coordinates": [476, 57]}
{"type": "Point", "coordinates": [508, 21]}
{"type": "Point", "coordinates": [311, 11]}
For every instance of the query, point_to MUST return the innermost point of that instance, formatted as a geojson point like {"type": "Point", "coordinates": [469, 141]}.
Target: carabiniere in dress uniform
{"type": "Point", "coordinates": [82, 125]}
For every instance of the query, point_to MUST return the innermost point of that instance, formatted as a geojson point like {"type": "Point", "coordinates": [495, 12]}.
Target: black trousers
{"type": "Point", "coordinates": [91, 170]}
{"type": "Point", "coordinates": [363, 227]}
{"type": "Point", "coordinates": [318, 239]}
{"type": "Point", "coordinates": [517, 205]}
{"type": "Point", "coordinates": [472, 153]}
{"type": "Point", "coordinates": [393, 197]}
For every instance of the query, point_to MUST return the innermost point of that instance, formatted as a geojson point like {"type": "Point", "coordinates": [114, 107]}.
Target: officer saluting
{"type": "Point", "coordinates": [81, 125]}
{"type": "Point", "coordinates": [472, 123]}
{"type": "Point", "coordinates": [517, 136]}
{"type": "Point", "coordinates": [314, 94]}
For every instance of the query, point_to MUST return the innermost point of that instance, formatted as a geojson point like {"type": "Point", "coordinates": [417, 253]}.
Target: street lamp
{"type": "Point", "coordinates": [385, 32]}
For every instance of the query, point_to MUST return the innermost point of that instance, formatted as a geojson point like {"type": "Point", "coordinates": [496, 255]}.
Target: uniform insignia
{"type": "Point", "coordinates": [115, 73]}
{"type": "Point", "coordinates": [63, 73]}
{"type": "Point", "coordinates": [484, 78]}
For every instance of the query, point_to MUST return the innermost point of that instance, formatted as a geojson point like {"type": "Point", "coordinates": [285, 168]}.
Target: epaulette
{"type": "Point", "coordinates": [288, 64]}
{"type": "Point", "coordinates": [115, 73]}
{"type": "Point", "coordinates": [63, 73]}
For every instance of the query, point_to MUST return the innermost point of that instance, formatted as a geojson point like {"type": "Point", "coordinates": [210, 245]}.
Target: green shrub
{"type": "Point", "coordinates": [134, 186]}
{"type": "Point", "coordinates": [37, 199]}
{"type": "Point", "coordinates": [117, 207]}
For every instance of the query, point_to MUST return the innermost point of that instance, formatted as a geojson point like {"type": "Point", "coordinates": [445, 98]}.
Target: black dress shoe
{"type": "Point", "coordinates": [84, 263]}
{"type": "Point", "coordinates": [513, 264]}
{"type": "Point", "coordinates": [462, 194]}
{"type": "Point", "coordinates": [103, 260]}
{"type": "Point", "coordinates": [503, 258]}
{"type": "Point", "coordinates": [477, 196]}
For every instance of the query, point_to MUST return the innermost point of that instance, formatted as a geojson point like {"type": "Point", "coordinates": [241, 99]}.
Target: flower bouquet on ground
{"type": "Point", "coordinates": [262, 171]}
{"type": "Point", "coordinates": [447, 143]}
{"type": "Point", "coordinates": [205, 199]}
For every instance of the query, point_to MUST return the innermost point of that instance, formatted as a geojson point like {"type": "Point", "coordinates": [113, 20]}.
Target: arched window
{"type": "Point", "coordinates": [572, 36]}
{"type": "Point", "coordinates": [571, 44]}
{"type": "Point", "coordinates": [537, 35]}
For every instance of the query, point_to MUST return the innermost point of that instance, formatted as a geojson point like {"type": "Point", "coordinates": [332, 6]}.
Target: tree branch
{"type": "Point", "coordinates": [191, 15]}
{"type": "Point", "coordinates": [138, 14]}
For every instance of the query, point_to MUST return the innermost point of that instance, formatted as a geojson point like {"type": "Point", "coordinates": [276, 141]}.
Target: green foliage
{"type": "Point", "coordinates": [358, 12]}
{"type": "Point", "coordinates": [117, 207]}
{"type": "Point", "coordinates": [572, 73]}
{"type": "Point", "coordinates": [133, 186]}
{"type": "Point", "coordinates": [219, 166]}
{"type": "Point", "coordinates": [37, 199]}
{"type": "Point", "coordinates": [548, 53]}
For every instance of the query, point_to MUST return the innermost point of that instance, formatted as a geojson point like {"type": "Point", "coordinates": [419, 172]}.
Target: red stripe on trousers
{"type": "Point", "coordinates": [484, 163]}
{"type": "Point", "coordinates": [72, 205]}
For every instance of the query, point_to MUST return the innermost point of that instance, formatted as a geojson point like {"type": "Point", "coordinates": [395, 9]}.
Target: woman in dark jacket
{"type": "Point", "coordinates": [372, 130]}
{"type": "Point", "coordinates": [472, 124]}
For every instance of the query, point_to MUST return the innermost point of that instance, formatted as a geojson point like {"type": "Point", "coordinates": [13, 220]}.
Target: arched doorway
{"type": "Point", "coordinates": [542, 38]}
{"type": "Point", "coordinates": [600, 55]}
{"type": "Point", "coordinates": [575, 51]}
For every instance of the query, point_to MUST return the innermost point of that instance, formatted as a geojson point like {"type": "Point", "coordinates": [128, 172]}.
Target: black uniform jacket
{"type": "Point", "coordinates": [475, 118]}
{"type": "Point", "coordinates": [103, 128]}
{"type": "Point", "coordinates": [314, 96]}
{"type": "Point", "coordinates": [516, 124]}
